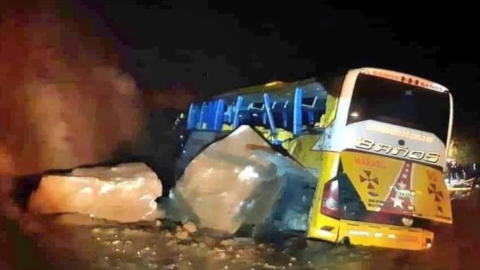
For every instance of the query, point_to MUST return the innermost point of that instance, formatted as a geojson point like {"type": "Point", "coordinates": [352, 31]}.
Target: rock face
{"type": "Point", "coordinates": [125, 193]}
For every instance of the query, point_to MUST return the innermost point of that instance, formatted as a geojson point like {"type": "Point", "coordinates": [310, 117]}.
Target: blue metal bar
{"type": "Point", "coordinates": [268, 111]}
{"type": "Point", "coordinates": [203, 115]}
{"type": "Point", "coordinates": [191, 118]}
{"type": "Point", "coordinates": [285, 115]}
{"type": "Point", "coordinates": [218, 121]}
{"type": "Point", "coordinates": [229, 114]}
{"type": "Point", "coordinates": [211, 114]}
{"type": "Point", "coordinates": [236, 118]}
{"type": "Point", "coordinates": [297, 111]}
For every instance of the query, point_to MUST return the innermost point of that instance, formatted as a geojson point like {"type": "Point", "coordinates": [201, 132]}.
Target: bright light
{"type": "Point", "coordinates": [359, 233]}
{"type": "Point", "coordinates": [324, 233]}
{"type": "Point", "coordinates": [354, 114]}
{"type": "Point", "coordinates": [273, 83]}
{"type": "Point", "coordinates": [407, 221]}
{"type": "Point", "coordinates": [247, 174]}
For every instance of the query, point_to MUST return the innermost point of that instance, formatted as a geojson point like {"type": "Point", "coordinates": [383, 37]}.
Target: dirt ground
{"type": "Point", "coordinates": [75, 242]}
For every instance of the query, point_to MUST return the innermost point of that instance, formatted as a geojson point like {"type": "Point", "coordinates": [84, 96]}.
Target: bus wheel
{"type": "Point", "coordinates": [346, 242]}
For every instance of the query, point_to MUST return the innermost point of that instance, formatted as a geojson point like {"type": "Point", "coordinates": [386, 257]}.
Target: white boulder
{"type": "Point", "coordinates": [227, 181]}
{"type": "Point", "coordinates": [124, 193]}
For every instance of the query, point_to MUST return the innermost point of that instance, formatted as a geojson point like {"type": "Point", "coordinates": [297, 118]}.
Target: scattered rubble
{"type": "Point", "coordinates": [190, 227]}
{"type": "Point", "coordinates": [182, 235]}
{"type": "Point", "coordinates": [227, 242]}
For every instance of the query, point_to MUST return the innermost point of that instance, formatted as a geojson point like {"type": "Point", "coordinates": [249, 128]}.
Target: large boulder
{"type": "Point", "coordinates": [125, 193]}
{"type": "Point", "coordinates": [240, 180]}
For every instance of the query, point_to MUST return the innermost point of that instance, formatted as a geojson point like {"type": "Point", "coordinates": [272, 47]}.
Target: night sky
{"type": "Point", "coordinates": [216, 46]}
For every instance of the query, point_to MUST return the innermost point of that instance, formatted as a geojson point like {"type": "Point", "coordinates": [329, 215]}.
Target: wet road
{"type": "Point", "coordinates": [75, 242]}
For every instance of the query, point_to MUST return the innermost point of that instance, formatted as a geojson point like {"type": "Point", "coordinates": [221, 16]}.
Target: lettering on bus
{"type": "Point", "coordinates": [370, 162]}
{"type": "Point", "coordinates": [404, 78]}
{"type": "Point", "coordinates": [403, 193]}
{"type": "Point", "coordinates": [367, 144]}
{"type": "Point", "coordinates": [400, 133]}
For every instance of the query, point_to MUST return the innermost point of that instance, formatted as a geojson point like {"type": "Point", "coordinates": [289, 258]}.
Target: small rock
{"type": "Point", "coordinates": [96, 230]}
{"type": "Point", "coordinates": [209, 241]}
{"type": "Point", "coordinates": [194, 245]}
{"type": "Point", "coordinates": [243, 241]}
{"type": "Point", "coordinates": [134, 233]}
{"type": "Point", "coordinates": [190, 227]}
{"type": "Point", "coordinates": [268, 266]}
{"type": "Point", "coordinates": [111, 231]}
{"type": "Point", "coordinates": [158, 223]}
{"type": "Point", "coordinates": [116, 242]}
{"type": "Point", "coordinates": [227, 242]}
{"type": "Point", "coordinates": [168, 234]}
{"type": "Point", "coordinates": [293, 259]}
{"type": "Point", "coordinates": [202, 245]}
{"type": "Point", "coordinates": [153, 265]}
{"type": "Point", "coordinates": [182, 235]}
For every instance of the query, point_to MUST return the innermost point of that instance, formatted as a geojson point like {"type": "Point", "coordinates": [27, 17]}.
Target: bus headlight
{"type": "Point", "coordinates": [407, 221]}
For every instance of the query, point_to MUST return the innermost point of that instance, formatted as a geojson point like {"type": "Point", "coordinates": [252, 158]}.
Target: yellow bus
{"type": "Point", "coordinates": [376, 140]}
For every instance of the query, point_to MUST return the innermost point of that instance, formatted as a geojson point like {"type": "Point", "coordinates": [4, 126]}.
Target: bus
{"type": "Point", "coordinates": [375, 139]}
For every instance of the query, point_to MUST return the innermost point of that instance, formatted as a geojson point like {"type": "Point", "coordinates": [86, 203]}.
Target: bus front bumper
{"type": "Point", "coordinates": [380, 235]}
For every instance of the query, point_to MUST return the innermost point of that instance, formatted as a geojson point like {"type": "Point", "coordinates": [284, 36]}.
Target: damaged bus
{"type": "Point", "coordinates": [375, 139]}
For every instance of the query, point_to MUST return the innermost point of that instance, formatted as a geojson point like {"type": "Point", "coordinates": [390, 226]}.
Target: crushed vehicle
{"type": "Point", "coordinates": [373, 140]}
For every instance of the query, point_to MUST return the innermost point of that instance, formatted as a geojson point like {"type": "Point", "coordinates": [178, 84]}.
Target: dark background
{"type": "Point", "coordinates": [213, 46]}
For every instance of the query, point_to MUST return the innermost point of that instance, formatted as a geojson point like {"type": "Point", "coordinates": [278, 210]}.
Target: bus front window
{"type": "Point", "coordinates": [396, 103]}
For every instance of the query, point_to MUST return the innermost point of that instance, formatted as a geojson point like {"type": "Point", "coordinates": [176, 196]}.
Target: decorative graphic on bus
{"type": "Point", "coordinates": [370, 181]}
{"type": "Point", "coordinates": [433, 189]}
{"type": "Point", "coordinates": [396, 186]}
{"type": "Point", "coordinates": [400, 198]}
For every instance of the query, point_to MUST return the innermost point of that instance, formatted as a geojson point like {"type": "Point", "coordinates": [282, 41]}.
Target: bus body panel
{"type": "Point", "coordinates": [399, 187]}
{"type": "Point", "coordinates": [322, 226]}
{"type": "Point", "coordinates": [369, 234]}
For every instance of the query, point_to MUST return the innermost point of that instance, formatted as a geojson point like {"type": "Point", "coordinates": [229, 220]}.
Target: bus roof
{"type": "Point", "coordinates": [404, 78]}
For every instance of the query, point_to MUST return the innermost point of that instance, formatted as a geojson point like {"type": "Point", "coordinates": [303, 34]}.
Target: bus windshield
{"type": "Point", "coordinates": [397, 103]}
